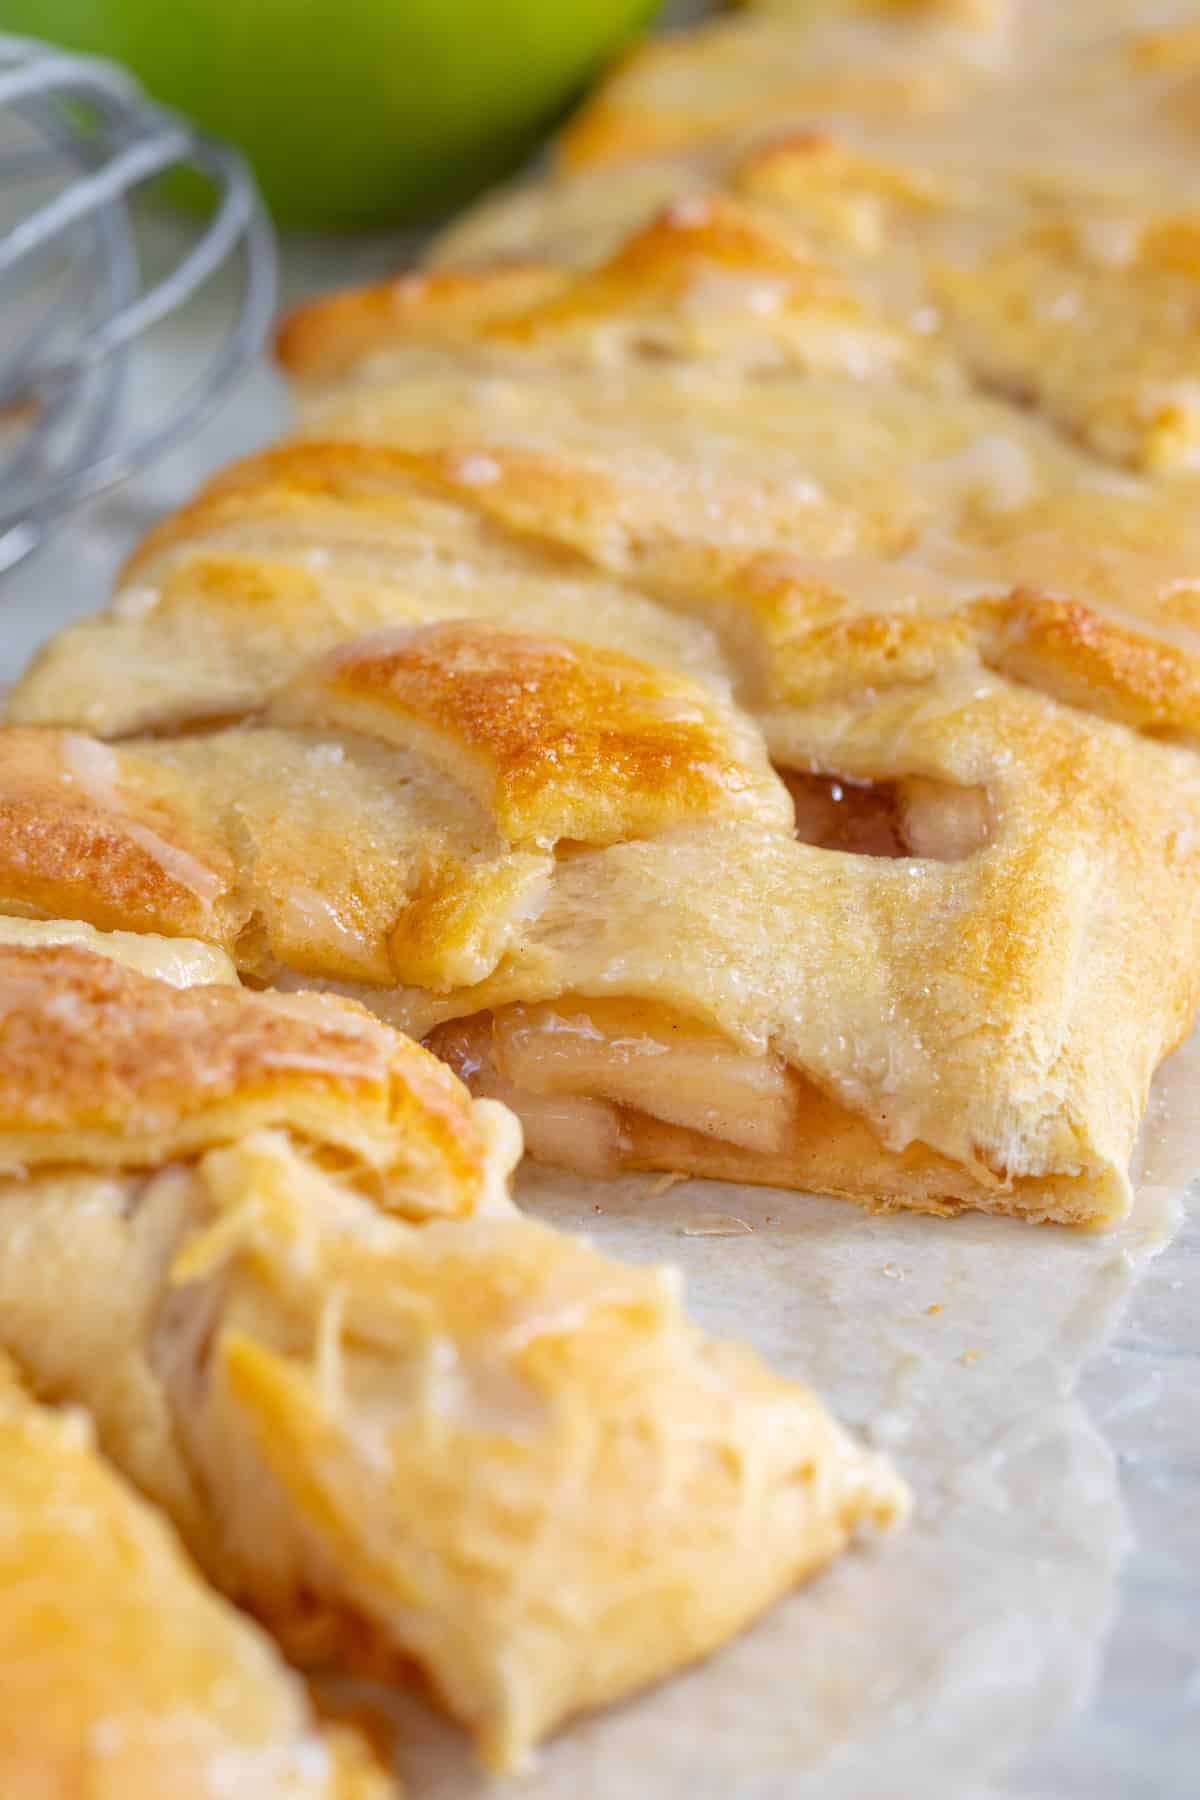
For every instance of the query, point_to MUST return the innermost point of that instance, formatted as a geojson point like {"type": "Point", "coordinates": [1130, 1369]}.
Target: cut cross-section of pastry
{"type": "Point", "coordinates": [942, 977]}
{"type": "Point", "coordinates": [126, 1071]}
{"type": "Point", "coordinates": [932, 1031]}
{"type": "Point", "coordinates": [489, 1447]}
{"type": "Point", "coordinates": [122, 1676]}
{"type": "Point", "coordinates": [469, 1444]}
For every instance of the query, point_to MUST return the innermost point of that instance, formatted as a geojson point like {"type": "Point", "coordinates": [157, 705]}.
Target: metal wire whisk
{"type": "Point", "coordinates": [78, 137]}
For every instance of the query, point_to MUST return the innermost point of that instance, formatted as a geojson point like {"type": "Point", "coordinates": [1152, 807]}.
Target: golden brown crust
{"type": "Point", "coordinates": [366, 1423]}
{"type": "Point", "coordinates": [1037, 226]}
{"type": "Point", "coordinates": [1086, 659]}
{"type": "Point", "coordinates": [456, 755]}
{"type": "Point", "coordinates": [948, 498]}
{"type": "Point", "coordinates": [286, 478]}
{"type": "Point", "coordinates": [685, 1459]}
{"type": "Point", "coordinates": [66, 827]}
{"type": "Point", "coordinates": [287, 482]}
{"type": "Point", "coordinates": [851, 196]}
{"type": "Point", "coordinates": [101, 1064]}
{"type": "Point", "coordinates": [1096, 317]}
{"type": "Point", "coordinates": [702, 278]}
{"type": "Point", "coordinates": [233, 600]}
{"type": "Point", "coordinates": [324, 336]}
{"type": "Point", "coordinates": [477, 932]}
{"type": "Point", "coordinates": [555, 740]}
{"type": "Point", "coordinates": [120, 1673]}
{"type": "Point", "coordinates": [731, 75]}
{"type": "Point", "coordinates": [883, 64]}
{"type": "Point", "coordinates": [210, 627]}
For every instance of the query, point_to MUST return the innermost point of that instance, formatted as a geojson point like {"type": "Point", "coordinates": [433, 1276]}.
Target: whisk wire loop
{"type": "Point", "coordinates": [79, 140]}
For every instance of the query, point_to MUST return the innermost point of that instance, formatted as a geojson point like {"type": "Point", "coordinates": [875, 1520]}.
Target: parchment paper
{"type": "Point", "coordinates": [923, 1665]}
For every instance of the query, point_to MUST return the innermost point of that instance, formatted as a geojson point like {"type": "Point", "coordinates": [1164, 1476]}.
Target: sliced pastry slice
{"type": "Point", "coordinates": [122, 1676]}
{"type": "Point", "coordinates": [465, 1443]}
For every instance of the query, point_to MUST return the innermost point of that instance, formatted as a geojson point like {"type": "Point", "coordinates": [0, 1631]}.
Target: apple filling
{"type": "Point", "coordinates": [580, 1072]}
{"type": "Point", "coordinates": [912, 816]}
{"type": "Point", "coordinates": [603, 1085]}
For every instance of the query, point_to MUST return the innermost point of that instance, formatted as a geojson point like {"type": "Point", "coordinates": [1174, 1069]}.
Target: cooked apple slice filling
{"type": "Point", "coordinates": [941, 820]}
{"type": "Point", "coordinates": [636, 1055]}
{"type": "Point", "coordinates": [569, 1131]}
{"type": "Point", "coordinates": [915, 816]}
{"type": "Point", "coordinates": [587, 1076]}
{"type": "Point", "coordinates": [579, 1071]}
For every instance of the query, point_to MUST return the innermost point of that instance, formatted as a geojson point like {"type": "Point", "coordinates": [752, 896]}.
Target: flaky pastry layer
{"type": "Point", "coordinates": [122, 1677]}
{"type": "Point", "coordinates": [404, 1428]}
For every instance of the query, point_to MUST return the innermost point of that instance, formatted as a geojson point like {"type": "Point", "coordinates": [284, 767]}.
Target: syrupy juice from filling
{"type": "Point", "coordinates": [602, 1084]}
{"type": "Point", "coordinates": [579, 1072]}
{"type": "Point", "coordinates": [913, 815]}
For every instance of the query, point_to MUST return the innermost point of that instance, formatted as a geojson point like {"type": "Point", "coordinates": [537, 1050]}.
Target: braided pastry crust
{"type": "Point", "coordinates": [718, 658]}
{"type": "Point", "coordinates": [121, 1676]}
{"type": "Point", "coordinates": [267, 1243]}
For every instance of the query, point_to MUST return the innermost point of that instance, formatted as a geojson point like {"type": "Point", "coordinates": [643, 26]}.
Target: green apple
{"type": "Point", "coordinates": [355, 112]}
